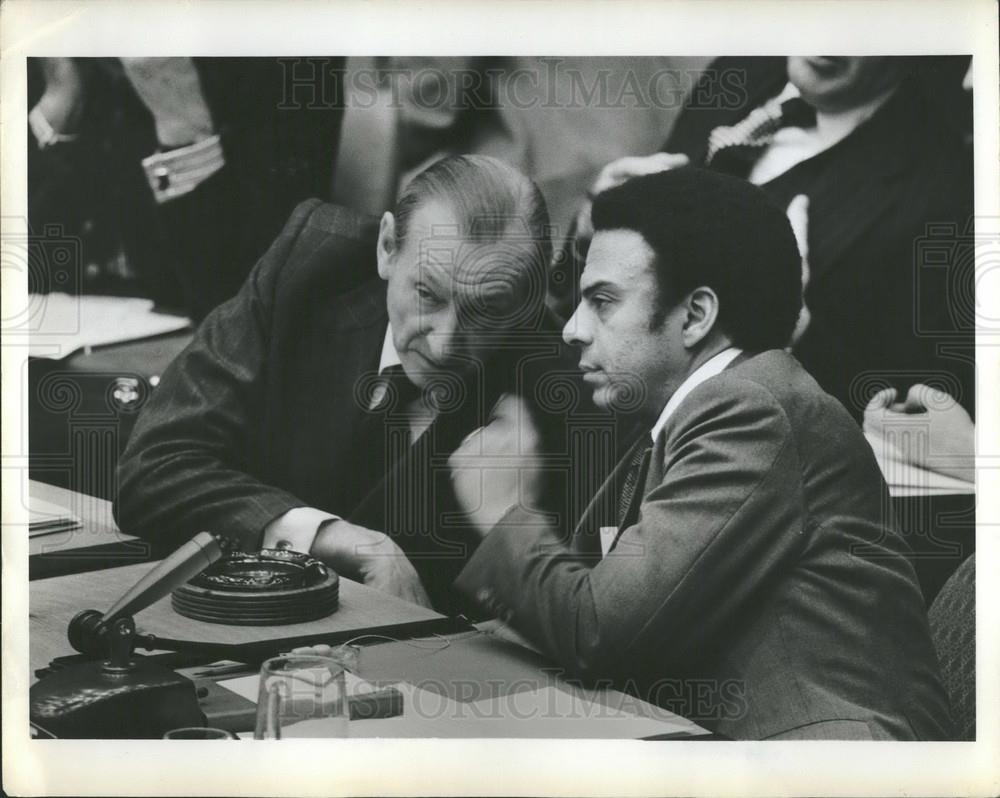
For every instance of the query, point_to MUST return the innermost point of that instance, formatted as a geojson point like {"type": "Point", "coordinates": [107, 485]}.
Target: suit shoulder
{"type": "Point", "coordinates": [317, 224]}
{"type": "Point", "coordinates": [818, 421]}
{"type": "Point", "coordinates": [771, 382]}
{"type": "Point", "coordinates": [329, 246]}
{"type": "Point", "coordinates": [746, 393]}
{"type": "Point", "coordinates": [785, 380]}
{"type": "Point", "coordinates": [330, 219]}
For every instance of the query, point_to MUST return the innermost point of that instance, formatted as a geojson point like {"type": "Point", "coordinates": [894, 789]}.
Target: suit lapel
{"type": "Point", "coordinates": [407, 499]}
{"type": "Point", "coordinates": [312, 407]}
{"type": "Point", "coordinates": [602, 511]}
{"type": "Point", "coordinates": [651, 474]}
{"type": "Point", "coordinates": [345, 409]}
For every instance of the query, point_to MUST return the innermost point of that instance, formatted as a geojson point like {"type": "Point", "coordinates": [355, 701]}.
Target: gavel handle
{"type": "Point", "coordinates": [187, 562]}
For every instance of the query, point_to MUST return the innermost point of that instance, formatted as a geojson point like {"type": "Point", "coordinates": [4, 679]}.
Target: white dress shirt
{"type": "Point", "coordinates": [714, 365]}
{"type": "Point", "coordinates": [389, 356]}
{"type": "Point", "coordinates": [793, 145]}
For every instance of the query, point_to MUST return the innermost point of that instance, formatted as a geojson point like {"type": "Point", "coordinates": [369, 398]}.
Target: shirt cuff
{"type": "Point", "coordinates": [180, 171]}
{"type": "Point", "coordinates": [295, 529]}
{"type": "Point", "coordinates": [44, 133]}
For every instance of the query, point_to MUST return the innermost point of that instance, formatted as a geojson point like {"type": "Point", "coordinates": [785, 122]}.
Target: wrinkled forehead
{"type": "Point", "coordinates": [464, 265]}
{"type": "Point", "coordinates": [616, 257]}
{"type": "Point", "coordinates": [481, 264]}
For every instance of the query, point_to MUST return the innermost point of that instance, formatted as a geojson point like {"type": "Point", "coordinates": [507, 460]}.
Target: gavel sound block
{"type": "Point", "coordinates": [120, 695]}
{"type": "Point", "coordinates": [269, 588]}
{"type": "Point", "coordinates": [123, 696]}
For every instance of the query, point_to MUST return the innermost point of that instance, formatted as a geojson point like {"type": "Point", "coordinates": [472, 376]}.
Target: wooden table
{"type": "Point", "coordinates": [485, 679]}
{"type": "Point", "coordinates": [52, 603]}
{"type": "Point", "coordinates": [472, 683]}
{"type": "Point", "coordinates": [98, 544]}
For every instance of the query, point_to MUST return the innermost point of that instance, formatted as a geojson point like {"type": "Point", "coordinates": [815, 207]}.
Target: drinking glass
{"type": "Point", "coordinates": [302, 695]}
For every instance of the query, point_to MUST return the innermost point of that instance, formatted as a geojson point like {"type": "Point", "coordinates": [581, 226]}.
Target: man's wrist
{"type": "Point", "coordinates": [296, 529]}
{"type": "Point", "coordinates": [345, 546]}
{"type": "Point", "coordinates": [45, 133]}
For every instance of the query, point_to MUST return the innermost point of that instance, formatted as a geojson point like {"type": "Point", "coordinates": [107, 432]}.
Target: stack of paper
{"type": "Point", "coordinates": [46, 518]}
{"type": "Point", "coordinates": [906, 478]}
{"type": "Point", "coordinates": [61, 324]}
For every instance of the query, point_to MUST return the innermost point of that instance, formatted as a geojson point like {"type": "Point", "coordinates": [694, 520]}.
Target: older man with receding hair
{"type": "Point", "coordinates": [316, 409]}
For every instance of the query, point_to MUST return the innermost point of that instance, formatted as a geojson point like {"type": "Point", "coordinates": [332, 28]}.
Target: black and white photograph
{"type": "Point", "coordinates": [500, 419]}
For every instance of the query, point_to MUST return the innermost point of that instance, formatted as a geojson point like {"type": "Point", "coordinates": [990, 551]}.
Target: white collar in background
{"type": "Point", "coordinates": [832, 127]}
{"type": "Point", "coordinates": [714, 365]}
{"type": "Point", "coordinates": [389, 356]}
{"type": "Point", "coordinates": [790, 90]}
{"type": "Point", "coordinates": [793, 145]}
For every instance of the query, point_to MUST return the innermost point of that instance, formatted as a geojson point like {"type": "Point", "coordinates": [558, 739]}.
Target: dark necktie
{"type": "Point", "coordinates": [393, 391]}
{"type": "Point", "coordinates": [386, 428]}
{"type": "Point", "coordinates": [735, 149]}
{"type": "Point", "coordinates": [633, 479]}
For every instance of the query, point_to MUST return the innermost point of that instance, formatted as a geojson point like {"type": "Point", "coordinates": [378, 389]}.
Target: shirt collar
{"type": "Point", "coordinates": [832, 127]}
{"type": "Point", "coordinates": [714, 365]}
{"type": "Point", "coordinates": [787, 93]}
{"type": "Point", "coordinates": [389, 356]}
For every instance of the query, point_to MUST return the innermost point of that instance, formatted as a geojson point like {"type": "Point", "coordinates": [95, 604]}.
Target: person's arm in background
{"type": "Point", "coordinates": [929, 429]}
{"type": "Point", "coordinates": [61, 168]}
{"type": "Point", "coordinates": [56, 117]}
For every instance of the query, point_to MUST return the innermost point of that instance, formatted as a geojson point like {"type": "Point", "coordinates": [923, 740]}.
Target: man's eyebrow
{"type": "Point", "coordinates": [433, 278]}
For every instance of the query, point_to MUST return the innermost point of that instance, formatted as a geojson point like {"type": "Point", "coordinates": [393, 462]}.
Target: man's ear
{"type": "Point", "coordinates": [385, 248]}
{"type": "Point", "coordinates": [702, 310]}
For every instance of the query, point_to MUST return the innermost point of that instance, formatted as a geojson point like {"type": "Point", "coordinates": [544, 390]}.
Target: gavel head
{"type": "Point", "coordinates": [87, 634]}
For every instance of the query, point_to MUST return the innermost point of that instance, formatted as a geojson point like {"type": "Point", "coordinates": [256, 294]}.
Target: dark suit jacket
{"type": "Point", "coordinates": [266, 410]}
{"type": "Point", "coordinates": [890, 248]}
{"type": "Point", "coordinates": [761, 591]}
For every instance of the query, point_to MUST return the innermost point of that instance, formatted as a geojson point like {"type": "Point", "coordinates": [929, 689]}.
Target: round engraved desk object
{"type": "Point", "coordinates": [270, 588]}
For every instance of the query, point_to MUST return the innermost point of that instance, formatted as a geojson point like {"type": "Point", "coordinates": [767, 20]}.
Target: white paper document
{"type": "Point", "coordinates": [46, 518]}
{"type": "Point", "coordinates": [548, 712]}
{"type": "Point", "coordinates": [60, 324]}
{"type": "Point", "coordinates": [906, 478]}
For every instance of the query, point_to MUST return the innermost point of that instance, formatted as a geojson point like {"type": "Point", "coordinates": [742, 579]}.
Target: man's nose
{"type": "Point", "coordinates": [575, 331]}
{"type": "Point", "coordinates": [442, 335]}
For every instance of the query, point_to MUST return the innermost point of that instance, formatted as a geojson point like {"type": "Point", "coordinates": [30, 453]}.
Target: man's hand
{"type": "Point", "coordinates": [497, 466]}
{"type": "Point", "coordinates": [930, 429]}
{"type": "Point", "coordinates": [171, 89]}
{"type": "Point", "coordinates": [370, 557]}
{"type": "Point", "coordinates": [798, 216]}
{"type": "Point", "coordinates": [63, 101]}
{"type": "Point", "coordinates": [617, 172]}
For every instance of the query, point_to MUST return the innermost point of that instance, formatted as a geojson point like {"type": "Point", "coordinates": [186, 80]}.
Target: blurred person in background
{"type": "Point", "coordinates": [871, 157]}
{"type": "Point", "coordinates": [175, 172]}
{"type": "Point", "coordinates": [558, 120]}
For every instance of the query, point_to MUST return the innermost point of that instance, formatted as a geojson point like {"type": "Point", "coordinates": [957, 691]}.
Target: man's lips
{"type": "Point", "coordinates": [826, 64]}
{"type": "Point", "coordinates": [432, 364]}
